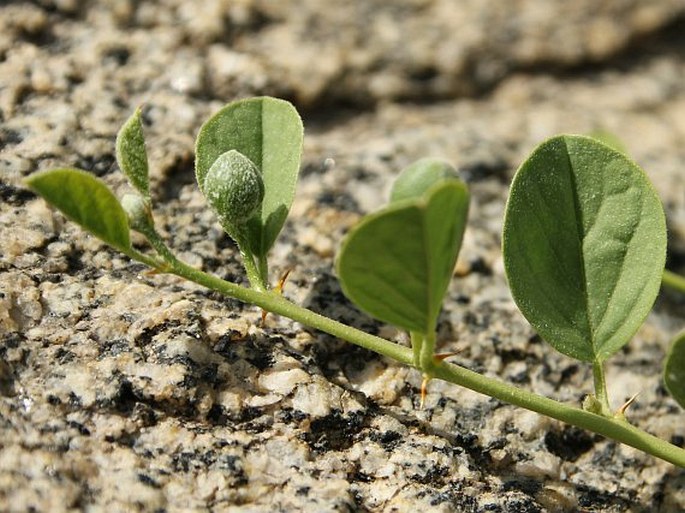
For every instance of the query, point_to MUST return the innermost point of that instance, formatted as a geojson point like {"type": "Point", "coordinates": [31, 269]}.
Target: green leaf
{"type": "Point", "coordinates": [674, 370]}
{"type": "Point", "coordinates": [396, 264]}
{"type": "Point", "coordinates": [269, 132]}
{"type": "Point", "coordinates": [417, 178]}
{"type": "Point", "coordinates": [584, 245]}
{"type": "Point", "coordinates": [131, 154]}
{"type": "Point", "coordinates": [87, 201]}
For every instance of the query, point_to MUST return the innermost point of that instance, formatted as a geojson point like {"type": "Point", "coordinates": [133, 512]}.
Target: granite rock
{"type": "Point", "coordinates": [126, 391]}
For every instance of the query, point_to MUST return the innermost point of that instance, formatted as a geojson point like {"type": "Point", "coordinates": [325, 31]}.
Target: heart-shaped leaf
{"type": "Point", "coordinates": [674, 370]}
{"type": "Point", "coordinates": [584, 245]}
{"type": "Point", "coordinates": [131, 154]}
{"type": "Point", "coordinates": [396, 264]}
{"type": "Point", "coordinates": [87, 201]}
{"type": "Point", "coordinates": [269, 132]}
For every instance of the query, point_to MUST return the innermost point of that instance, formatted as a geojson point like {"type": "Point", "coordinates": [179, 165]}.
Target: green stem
{"type": "Point", "coordinates": [615, 429]}
{"type": "Point", "coordinates": [416, 345]}
{"type": "Point", "coordinates": [275, 303]}
{"type": "Point", "coordinates": [427, 358]}
{"type": "Point", "coordinates": [144, 259]}
{"type": "Point", "coordinates": [673, 281]}
{"type": "Point", "coordinates": [601, 387]}
{"type": "Point", "coordinates": [158, 245]}
{"type": "Point", "coordinates": [254, 275]}
{"type": "Point", "coordinates": [610, 427]}
{"type": "Point", "coordinates": [255, 278]}
{"type": "Point", "coordinates": [264, 270]}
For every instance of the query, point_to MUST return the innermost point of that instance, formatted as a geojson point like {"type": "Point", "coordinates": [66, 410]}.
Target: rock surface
{"type": "Point", "coordinates": [125, 391]}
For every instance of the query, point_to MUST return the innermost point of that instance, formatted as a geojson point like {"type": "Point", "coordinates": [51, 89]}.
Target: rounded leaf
{"type": "Point", "coordinates": [419, 177]}
{"type": "Point", "coordinates": [87, 201]}
{"type": "Point", "coordinates": [584, 245]}
{"type": "Point", "coordinates": [396, 264]}
{"type": "Point", "coordinates": [674, 370]}
{"type": "Point", "coordinates": [269, 132]}
{"type": "Point", "coordinates": [234, 188]}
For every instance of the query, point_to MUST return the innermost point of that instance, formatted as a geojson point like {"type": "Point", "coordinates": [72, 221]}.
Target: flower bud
{"type": "Point", "coordinates": [234, 188]}
{"type": "Point", "coordinates": [137, 209]}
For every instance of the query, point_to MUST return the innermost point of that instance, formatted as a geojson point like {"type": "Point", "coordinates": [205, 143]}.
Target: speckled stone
{"type": "Point", "coordinates": [122, 390]}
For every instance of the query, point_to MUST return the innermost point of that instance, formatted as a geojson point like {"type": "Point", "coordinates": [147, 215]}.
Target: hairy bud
{"type": "Point", "coordinates": [234, 188]}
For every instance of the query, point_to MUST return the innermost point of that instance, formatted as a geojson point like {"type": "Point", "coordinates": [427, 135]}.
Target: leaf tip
{"type": "Point", "coordinates": [131, 154]}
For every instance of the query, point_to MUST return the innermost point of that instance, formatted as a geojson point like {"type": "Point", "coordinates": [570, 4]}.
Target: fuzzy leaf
{"type": "Point", "coordinates": [396, 264]}
{"type": "Point", "coordinates": [268, 132]}
{"type": "Point", "coordinates": [131, 154]}
{"type": "Point", "coordinates": [584, 245]}
{"type": "Point", "coordinates": [87, 201]}
{"type": "Point", "coordinates": [674, 370]}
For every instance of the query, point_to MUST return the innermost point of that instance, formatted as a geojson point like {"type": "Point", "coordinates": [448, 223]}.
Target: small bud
{"type": "Point", "coordinates": [417, 178]}
{"type": "Point", "coordinates": [234, 188]}
{"type": "Point", "coordinates": [591, 404]}
{"type": "Point", "coordinates": [137, 209]}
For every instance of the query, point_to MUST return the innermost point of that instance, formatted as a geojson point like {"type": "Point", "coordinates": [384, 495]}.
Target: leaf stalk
{"type": "Point", "coordinates": [601, 387]}
{"type": "Point", "coordinates": [673, 281]}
